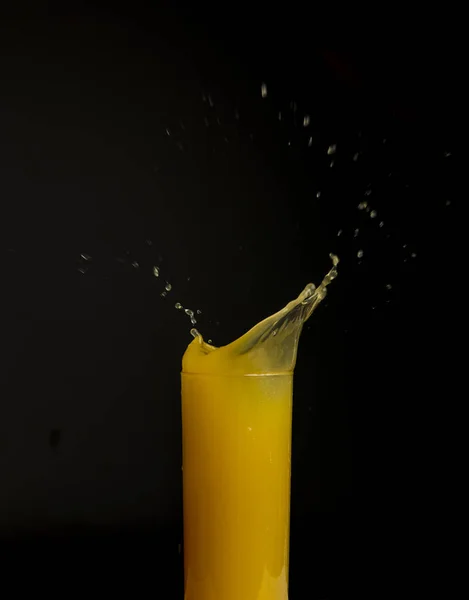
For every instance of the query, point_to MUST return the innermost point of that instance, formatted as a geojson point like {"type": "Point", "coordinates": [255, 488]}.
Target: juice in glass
{"type": "Point", "coordinates": [237, 411]}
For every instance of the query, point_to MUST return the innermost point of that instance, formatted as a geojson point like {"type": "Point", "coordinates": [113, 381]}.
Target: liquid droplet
{"type": "Point", "coordinates": [149, 242]}
{"type": "Point", "coordinates": [82, 270]}
{"type": "Point", "coordinates": [318, 194]}
{"type": "Point", "coordinates": [199, 312]}
{"type": "Point", "coordinates": [448, 202]}
{"type": "Point", "coordinates": [210, 101]}
{"type": "Point", "coordinates": [414, 255]}
{"type": "Point", "coordinates": [332, 149]}
{"type": "Point", "coordinates": [447, 154]}
{"type": "Point", "coordinates": [209, 341]}
{"type": "Point", "coordinates": [355, 157]}
{"type": "Point", "coordinates": [193, 321]}
{"type": "Point", "coordinates": [135, 264]}
{"type": "Point", "coordinates": [356, 232]}
{"type": "Point", "coordinates": [388, 286]}
{"type": "Point", "coordinates": [339, 233]}
{"type": "Point", "coordinates": [264, 90]}
{"type": "Point", "coordinates": [368, 193]}
{"type": "Point", "coordinates": [331, 164]}
{"type": "Point", "coordinates": [189, 312]}
{"type": "Point", "coordinates": [306, 121]}
{"type": "Point", "coordinates": [168, 287]}
{"type": "Point", "coordinates": [362, 205]}
{"type": "Point", "coordinates": [156, 272]}
{"type": "Point", "coordinates": [178, 305]}
{"type": "Point", "coordinates": [310, 142]}
{"type": "Point", "coordinates": [274, 332]}
{"type": "Point", "coordinates": [381, 224]}
{"type": "Point", "coordinates": [86, 257]}
{"type": "Point", "coordinates": [163, 294]}
{"type": "Point", "coordinates": [279, 116]}
{"type": "Point", "coordinates": [195, 333]}
{"type": "Point", "coordinates": [360, 254]}
{"type": "Point", "coordinates": [168, 131]}
{"type": "Point", "coordinates": [373, 214]}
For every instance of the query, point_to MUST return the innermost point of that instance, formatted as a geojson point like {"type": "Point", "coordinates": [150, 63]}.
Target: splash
{"type": "Point", "coordinates": [270, 347]}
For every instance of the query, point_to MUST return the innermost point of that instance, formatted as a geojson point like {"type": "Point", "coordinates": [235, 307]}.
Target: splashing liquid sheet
{"type": "Point", "coordinates": [237, 407]}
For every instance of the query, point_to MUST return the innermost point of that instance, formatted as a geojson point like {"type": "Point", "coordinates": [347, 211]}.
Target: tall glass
{"type": "Point", "coordinates": [236, 416]}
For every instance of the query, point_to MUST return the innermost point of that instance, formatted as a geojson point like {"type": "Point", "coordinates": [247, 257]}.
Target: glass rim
{"type": "Point", "coordinates": [276, 374]}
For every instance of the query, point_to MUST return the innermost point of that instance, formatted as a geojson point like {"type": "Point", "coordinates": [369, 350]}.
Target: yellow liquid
{"type": "Point", "coordinates": [237, 410]}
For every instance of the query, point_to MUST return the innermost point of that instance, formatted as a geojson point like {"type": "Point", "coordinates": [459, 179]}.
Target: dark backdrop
{"type": "Point", "coordinates": [141, 139]}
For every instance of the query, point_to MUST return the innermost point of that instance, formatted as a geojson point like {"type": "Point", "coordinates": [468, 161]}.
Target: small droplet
{"type": "Point", "coordinates": [189, 312]}
{"type": "Point", "coordinates": [156, 272]}
{"type": "Point", "coordinates": [356, 232]}
{"type": "Point", "coordinates": [404, 246]}
{"type": "Point", "coordinates": [306, 121]}
{"type": "Point", "coordinates": [86, 257]}
{"type": "Point", "coordinates": [362, 205]}
{"type": "Point", "coordinates": [339, 233]}
{"type": "Point", "coordinates": [188, 279]}
{"type": "Point", "coordinates": [373, 214]}
{"type": "Point", "coordinates": [414, 255]}
{"type": "Point", "coordinates": [388, 286]}
{"type": "Point", "coordinates": [209, 341]}
{"type": "Point", "coordinates": [149, 242]}
{"type": "Point", "coordinates": [210, 101]}
{"type": "Point", "coordinates": [168, 131]}
{"type": "Point", "coordinates": [331, 164]}
{"type": "Point", "coordinates": [368, 193]}
{"type": "Point", "coordinates": [310, 142]}
{"type": "Point", "coordinates": [163, 294]}
{"type": "Point", "coordinates": [193, 321]}
{"type": "Point", "coordinates": [168, 287]}
{"type": "Point", "coordinates": [82, 270]}
{"type": "Point", "coordinates": [384, 140]}
{"type": "Point", "coordinates": [274, 332]}
{"type": "Point", "coordinates": [199, 312]}
{"type": "Point", "coordinates": [360, 254]}
{"type": "Point", "coordinates": [194, 333]}
{"type": "Point", "coordinates": [332, 149]}
{"type": "Point", "coordinates": [178, 305]}
{"type": "Point", "coordinates": [279, 116]}
{"type": "Point", "coordinates": [448, 202]}
{"type": "Point", "coordinates": [318, 194]}
{"type": "Point", "coordinates": [447, 154]}
{"type": "Point", "coordinates": [135, 264]}
{"type": "Point", "coordinates": [355, 156]}
{"type": "Point", "coordinates": [381, 224]}
{"type": "Point", "coordinates": [264, 90]}
{"type": "Point", "coordinates": [289, 143]}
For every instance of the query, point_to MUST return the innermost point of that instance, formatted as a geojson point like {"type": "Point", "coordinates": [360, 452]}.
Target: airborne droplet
{"type": "Point", "coordinates": [168, 287]}
{"type": "Point", "coordinates": [156, 272]}
{"type": "Point", "coordinates": [264, 90]}
{"type": "Point", "coordinates": [373, 214]}
{"type": "Point", "coordinates": [332, 149]}
{"type": "Point", "coordinates": [178, 305]}
{"type": "Point", "coordinates": [360, 254]}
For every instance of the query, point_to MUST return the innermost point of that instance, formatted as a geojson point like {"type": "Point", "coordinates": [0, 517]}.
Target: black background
{"type": "Point", "coordinates": [142, 137]}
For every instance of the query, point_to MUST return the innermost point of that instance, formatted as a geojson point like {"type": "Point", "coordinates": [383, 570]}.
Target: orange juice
{"type": "Point", "coordinates": [237, 410]}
